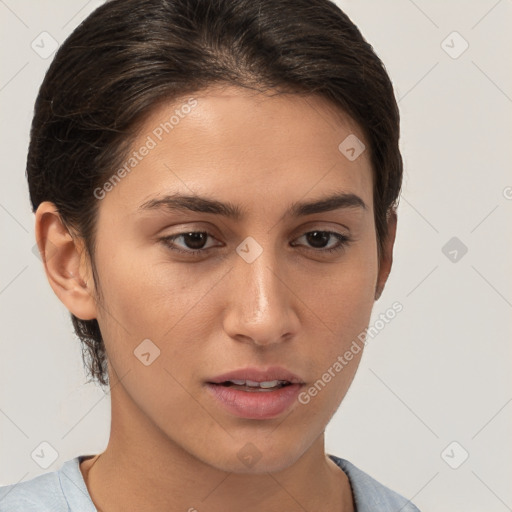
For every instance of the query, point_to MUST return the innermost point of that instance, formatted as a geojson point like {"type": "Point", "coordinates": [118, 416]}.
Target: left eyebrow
{"type": "Point", "coordinates": [194, 203]}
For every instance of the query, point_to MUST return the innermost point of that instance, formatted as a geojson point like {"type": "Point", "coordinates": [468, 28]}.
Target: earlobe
{"type": "Point", "coordinates": [62, 256]}
{"type": "Point", "coordinates": [386, 258]}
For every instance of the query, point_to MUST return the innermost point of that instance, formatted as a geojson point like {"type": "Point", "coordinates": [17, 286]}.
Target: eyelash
{"type": "Point", "coordinates": [167, 241]}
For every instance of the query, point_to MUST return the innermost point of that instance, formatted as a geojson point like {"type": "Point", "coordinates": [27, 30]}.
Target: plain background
{"type": "Point", "coordinates": [438, 373]}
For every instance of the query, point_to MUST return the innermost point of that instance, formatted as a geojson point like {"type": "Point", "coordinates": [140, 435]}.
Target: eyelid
{"type": "Point", "coordinates": [343, 240]}
{"type": "Point", "coordinates": [167, 240]}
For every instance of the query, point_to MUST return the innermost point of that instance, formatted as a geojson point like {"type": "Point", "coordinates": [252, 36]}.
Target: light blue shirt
{"type": "Point", "coordinates": [64, 490]}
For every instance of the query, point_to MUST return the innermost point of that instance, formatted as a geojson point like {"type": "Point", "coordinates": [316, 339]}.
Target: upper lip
{"type": "Point", "coordinates": [258, 375]}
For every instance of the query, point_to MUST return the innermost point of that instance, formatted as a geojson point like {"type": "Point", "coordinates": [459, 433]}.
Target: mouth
{"type": "Point", "coordinates": [254, 402]}
{"type": "Point", "coordinates": [254, 393]}
{"type": "Point", "coordinates": [252, 378]}
{"type": "Point", "coordinates": [253, 386]}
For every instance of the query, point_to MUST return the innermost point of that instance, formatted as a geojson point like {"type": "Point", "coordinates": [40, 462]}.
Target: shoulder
{"type": "Point", "coordinates": [55, 491]}
{"type": "Point", "coordinates": [41, 493]}
{"type": "Point", "coordinates": [371, 495]}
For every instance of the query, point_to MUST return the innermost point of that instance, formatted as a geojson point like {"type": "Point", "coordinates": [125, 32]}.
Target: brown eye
{"type": "Point", "coordinates": [319, 239]}
{"type": "Point", "coordinates": [194, 242]}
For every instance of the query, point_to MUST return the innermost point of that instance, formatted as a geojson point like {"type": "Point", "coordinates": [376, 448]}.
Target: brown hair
{"type": "Point", "coordinates": [128, 56]}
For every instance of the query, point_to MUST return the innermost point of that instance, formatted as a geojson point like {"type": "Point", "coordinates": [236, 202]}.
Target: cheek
{"type": "Point", "coordinates": [342, 294]}
{"type": "Point", "coordinates": [342, 300]}
{"type": "Point", "coordinates": [148, 297]}
{"type": "Point", "coordinates": [126, 298]}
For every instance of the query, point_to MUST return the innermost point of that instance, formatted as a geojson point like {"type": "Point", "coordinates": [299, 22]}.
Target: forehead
{"type": "Point", "coordinates": [231, 142]}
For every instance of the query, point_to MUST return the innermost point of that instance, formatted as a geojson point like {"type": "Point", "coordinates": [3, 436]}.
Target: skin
{"type": "Point", "coordinates": [171, 446]}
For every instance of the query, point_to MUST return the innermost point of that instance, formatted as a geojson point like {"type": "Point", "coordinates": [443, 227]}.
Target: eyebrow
{"type": "Point", "coordinates": [194, 203]}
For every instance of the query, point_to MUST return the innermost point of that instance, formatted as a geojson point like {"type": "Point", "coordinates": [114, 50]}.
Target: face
{"type": "Point", "coordinates": [197, 294]}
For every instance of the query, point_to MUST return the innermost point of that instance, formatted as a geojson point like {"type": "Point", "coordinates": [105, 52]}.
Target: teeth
{"type": "Point", "coordinates": [254, 384]}
{"type": "Point", "coordinates": [269, 384]}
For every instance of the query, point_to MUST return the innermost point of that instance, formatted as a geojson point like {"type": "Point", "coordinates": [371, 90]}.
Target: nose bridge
{"type": "Point", "coordinates": [259, 304]}
{"type": "Point", "coordinates": [256, 271]}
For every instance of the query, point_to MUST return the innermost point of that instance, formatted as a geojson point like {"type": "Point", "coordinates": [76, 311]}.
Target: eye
{"type": "Point", "coordinates": [195, 241]}
{"type": "Point", "coordinates": [321, 238]}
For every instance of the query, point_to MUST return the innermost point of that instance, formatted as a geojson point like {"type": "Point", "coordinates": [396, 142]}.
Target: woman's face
{"type": "Point", "coordinates": [263, 290]}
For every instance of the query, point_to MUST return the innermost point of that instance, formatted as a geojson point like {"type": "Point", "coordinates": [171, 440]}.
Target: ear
{"type": "Point", "coordinates": [65, 262]}
{"type": "Point", "coordinates": [386, 258]}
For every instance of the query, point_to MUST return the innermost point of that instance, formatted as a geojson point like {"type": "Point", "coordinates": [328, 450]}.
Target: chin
{"type": "Point", "coordinates": [251, 459]}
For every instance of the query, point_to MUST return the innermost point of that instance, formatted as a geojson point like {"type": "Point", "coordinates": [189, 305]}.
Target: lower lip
{"type": "Point", "coordinates": [256, 405]}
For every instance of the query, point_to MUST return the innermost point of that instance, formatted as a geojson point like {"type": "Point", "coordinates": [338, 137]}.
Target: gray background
{"type": "Point", "coordinates": [438, 373]}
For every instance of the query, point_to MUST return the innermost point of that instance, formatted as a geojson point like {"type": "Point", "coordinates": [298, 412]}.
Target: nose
{"type": "Point", "coordinates": [261, 302]}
